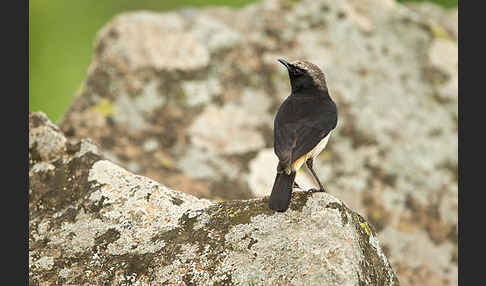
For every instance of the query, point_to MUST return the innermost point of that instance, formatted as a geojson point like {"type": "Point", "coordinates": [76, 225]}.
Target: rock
{"type": "Point", "coordinates": [416, 254]}
{"type": "Point", "coordinates": [444, 56]}
{"type": "Point", "coordinates": [262, 172]}
{"type": "Point", "coordinates": [211, 131]}
{"type": "Point", "coordinates": [147, 40]}
{"type": "Point", "coordinates": [45, 143]}
{"type": "Point", "coordinates": [205, 84]}
{"type": "Point", "coordinates": [201, 92]}
{"type": "Point", "coordinates": [95, 223]}
{"type": "Point", "coordinates": [443, 22]}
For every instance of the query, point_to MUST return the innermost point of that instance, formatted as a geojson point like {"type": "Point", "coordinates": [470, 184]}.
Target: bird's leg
{"type": "Point", "coordinates": [309, 164]}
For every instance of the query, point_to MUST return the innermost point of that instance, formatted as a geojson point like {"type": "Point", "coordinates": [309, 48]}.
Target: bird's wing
{"type": "Point", "coordinates": [300, 124]}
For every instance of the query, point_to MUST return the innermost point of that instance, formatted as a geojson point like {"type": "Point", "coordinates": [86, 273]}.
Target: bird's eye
{"type": "Point", "coordinates": [298, 71]}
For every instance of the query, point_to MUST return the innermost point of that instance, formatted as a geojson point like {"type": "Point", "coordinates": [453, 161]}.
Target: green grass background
{"type": "Point", "coordinates": [61, 40]}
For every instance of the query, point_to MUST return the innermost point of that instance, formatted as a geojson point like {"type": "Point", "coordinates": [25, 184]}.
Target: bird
{"type": "Point", "coordinates": [302, 127]}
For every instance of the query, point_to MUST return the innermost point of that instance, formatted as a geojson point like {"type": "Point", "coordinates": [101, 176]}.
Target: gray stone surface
{"type": "Point", "coordinates": [206, 85]}
{"type": "Point", "coordinates": [95, 223]}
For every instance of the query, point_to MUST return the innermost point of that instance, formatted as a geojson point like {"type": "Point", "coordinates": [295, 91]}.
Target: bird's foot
{"type": "Point", "coordinates": [317, 191]}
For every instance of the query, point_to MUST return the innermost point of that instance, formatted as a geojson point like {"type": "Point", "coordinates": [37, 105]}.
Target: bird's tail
{"type": "Point", "coordinates": [281, 192]}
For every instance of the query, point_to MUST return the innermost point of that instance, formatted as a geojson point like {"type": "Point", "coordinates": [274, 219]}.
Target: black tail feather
{"type": "Point", "coordinates": [281, 192]}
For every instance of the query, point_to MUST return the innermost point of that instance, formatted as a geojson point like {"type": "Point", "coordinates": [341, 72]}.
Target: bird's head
{"type": "Point", "coordinates": [305, 76]}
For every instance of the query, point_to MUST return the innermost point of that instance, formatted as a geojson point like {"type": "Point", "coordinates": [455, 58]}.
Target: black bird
{"type": "Point", "coordinates": [302, 128]}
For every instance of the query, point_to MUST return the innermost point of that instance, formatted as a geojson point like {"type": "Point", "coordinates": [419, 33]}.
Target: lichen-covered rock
{"type": "Point", "coordinates": [45, 141]}
{"type": "Point", "coordinates": [147, 39]}
{"type": "Point", "coordinates": [95, 223]}
{"type": "Point", "coordinates": [188, 98]}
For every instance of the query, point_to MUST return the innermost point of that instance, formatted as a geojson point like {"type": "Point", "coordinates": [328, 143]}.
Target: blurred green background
{"type": "Point", "coordinates": [61, 40]}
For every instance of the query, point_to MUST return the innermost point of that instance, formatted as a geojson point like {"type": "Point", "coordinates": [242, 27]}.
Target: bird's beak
{"type": "Point", "coordinates": [285, 63]}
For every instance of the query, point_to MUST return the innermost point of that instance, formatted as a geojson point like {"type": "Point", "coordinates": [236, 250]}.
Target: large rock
{"type": "Point", "coordinates": [187, 98]}
{"type": "Point", "coordinates": [94, 223]}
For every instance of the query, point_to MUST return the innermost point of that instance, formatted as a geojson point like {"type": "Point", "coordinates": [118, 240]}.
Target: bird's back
{"type": "Point", "coordinates": [300, 124]}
